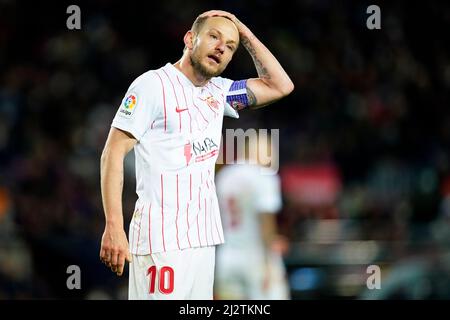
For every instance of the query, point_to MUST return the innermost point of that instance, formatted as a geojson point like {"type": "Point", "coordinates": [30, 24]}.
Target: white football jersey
{"type": "Point", "coordinates": [244, 192]}
{"type": "Point", "coordinates": [178, 127]}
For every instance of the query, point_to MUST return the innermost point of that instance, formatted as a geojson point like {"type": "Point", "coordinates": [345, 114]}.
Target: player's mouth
{"type": "Point", "coordinates": [214, 58]}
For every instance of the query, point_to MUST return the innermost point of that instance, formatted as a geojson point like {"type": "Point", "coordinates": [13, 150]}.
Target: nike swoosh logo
{"type": "Point", "coordinates": [180, 110]}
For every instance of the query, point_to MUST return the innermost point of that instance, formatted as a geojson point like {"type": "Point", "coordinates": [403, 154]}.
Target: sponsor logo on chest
{"type": "Point", "coordinates": [200, 150]}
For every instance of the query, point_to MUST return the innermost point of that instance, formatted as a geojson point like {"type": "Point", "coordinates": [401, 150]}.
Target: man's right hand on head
{"type": "Point", "coordinates": [114, 250]}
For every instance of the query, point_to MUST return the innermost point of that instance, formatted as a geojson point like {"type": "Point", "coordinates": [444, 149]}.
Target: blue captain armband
{"type": "Point", "coordinates": [237, 95]}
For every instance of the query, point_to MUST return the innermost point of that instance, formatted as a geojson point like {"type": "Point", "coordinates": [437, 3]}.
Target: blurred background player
{"type": "Point", "coordinates": [249, 264]}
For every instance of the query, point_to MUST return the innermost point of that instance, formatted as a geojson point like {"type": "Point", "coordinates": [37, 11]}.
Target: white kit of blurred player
{"type": "Point", "coordinates": [247, 265]}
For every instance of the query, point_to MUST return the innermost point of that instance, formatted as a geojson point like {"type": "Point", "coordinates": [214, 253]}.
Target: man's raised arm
{"type": "Point", "coordinates": [272, 83]}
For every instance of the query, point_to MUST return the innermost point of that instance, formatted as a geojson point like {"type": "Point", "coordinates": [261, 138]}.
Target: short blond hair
{"type": "Point", "coordinates": [198, 24]}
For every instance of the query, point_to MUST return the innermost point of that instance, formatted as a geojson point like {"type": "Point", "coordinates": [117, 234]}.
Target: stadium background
{"type": "Point", "coordinates": [364, 138]}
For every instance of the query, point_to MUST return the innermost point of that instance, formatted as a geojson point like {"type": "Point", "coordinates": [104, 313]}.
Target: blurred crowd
{"type": "Point", "coordinates": [364, 138]}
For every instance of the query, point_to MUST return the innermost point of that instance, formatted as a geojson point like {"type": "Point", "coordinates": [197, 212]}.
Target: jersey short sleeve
{"type": "Point", "coordinates": [228, 110]}
{"type": "Point", "coordinates": [269, 194]}
{"type": "Point", "coordinates": [139, 106]}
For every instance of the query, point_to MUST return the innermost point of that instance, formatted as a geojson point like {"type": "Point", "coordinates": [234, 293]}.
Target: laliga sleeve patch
{"type": "Point", "coordinates": [128, 105]}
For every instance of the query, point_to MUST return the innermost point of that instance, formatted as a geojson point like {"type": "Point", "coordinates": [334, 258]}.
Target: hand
{"type": "Point", "coordinates": [114, 249]}
{"type": "Point", "coordinates": [280, 245]}
{"type": "Point", "coordinates": [219, 13]}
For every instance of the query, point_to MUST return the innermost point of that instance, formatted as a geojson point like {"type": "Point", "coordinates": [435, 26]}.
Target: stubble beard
{"type": "Point", "coordinates": [201, 70]}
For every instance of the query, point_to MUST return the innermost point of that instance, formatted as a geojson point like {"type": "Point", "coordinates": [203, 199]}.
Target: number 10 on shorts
{"type": "Point", "coordinates": [166, 279]}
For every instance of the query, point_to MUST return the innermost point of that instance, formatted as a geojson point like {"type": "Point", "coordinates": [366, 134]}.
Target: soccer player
{"type": "Point", "coordinates": [249, 265]}
{"type": "Point", "coordinates": [172, 118]}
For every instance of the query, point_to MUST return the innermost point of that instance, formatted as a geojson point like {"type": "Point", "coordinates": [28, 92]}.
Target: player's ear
{"type": "Point", "coordinates": [189, 40]}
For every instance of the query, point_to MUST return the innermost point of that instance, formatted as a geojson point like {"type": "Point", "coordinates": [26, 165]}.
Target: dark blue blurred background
{"type": "Point", "coordinates": [364, 138]}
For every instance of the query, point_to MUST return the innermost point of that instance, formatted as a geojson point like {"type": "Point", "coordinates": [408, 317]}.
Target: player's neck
{"type": "Point", "coordinates": [186, 68]}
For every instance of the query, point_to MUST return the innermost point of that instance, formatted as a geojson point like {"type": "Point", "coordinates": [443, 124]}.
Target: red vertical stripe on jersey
{"type": "Point", "coordinates": [213, 186]}
{"type": "Point", "coordinates": [193, 102]}
{"type": "Point", "coordinates": [198, 228]}
{"type": "Point", "coordinates": [196, 117]}
{"type": "Point", "coordinates": [215, 85]}
{"type": "Point", "coordinates": [186, 105]}
{"type": "Point", "coordinates": [210, 219]}
{"type": "Point", "coordinates": [206, 232]}
{"type": "Point", "coordinates": [221, 92]}
{"type": "Point", "coordinates": [176, 97]}
{"type": "Point", "coordinates": [209, 174]}
{"type": "Point", "coordinates": [176, 219]}
{"type": "Point", "coordinates": [164, 101]}
{"type": "Point", "coordinates": [215, 222]}
{"type": "Point", "coordinates": [207, 122]}
{"type": "Point", "coordinates": [149, 233]}
{"type": "Point", "coordinates": [190, 186]}
{"type": "Point", "coordinates": [139, 231]}
{"type": "Point", "coordinates": [211, 182]}
{"type": "Point", "coordinates": [212, 213]}
{"type": "Point", "coordinates": [187, 208]}
{"type": "Point", "coordinates": [217, 229]}
{"type": "Point", "coordinates": [187, 221]}
{"type": "Point", "coordinates": [162, 212]}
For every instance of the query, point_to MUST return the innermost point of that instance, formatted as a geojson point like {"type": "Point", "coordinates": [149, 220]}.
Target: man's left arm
{"type": "Point", "coordinates": [272, 83]}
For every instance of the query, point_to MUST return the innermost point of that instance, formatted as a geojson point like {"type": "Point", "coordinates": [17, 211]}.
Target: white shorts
{"type": "Point", "coordinates": [186, 274]}
{"type": "Point", "coordinates": [240, 275]}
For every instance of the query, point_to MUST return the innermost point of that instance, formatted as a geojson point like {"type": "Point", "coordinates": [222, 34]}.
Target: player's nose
{"type": "Point", "coordinates": [220, 47]}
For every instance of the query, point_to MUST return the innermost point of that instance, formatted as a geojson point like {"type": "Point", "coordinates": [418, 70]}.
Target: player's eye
{"type": "Point", "coordinates": [214, 36]}
{"type": "Point", "coordinates": [230, 47]}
